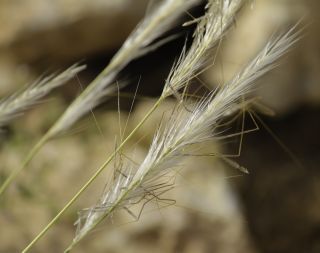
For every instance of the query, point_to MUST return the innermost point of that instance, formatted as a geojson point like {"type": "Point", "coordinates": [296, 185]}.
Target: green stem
{"type": "Point", "coordinates": [93, 177]}
{"type": "Point", "coordinates": [26, 161]}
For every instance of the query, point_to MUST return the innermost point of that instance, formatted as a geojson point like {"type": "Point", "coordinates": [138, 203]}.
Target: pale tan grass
{"type": "Point", "coordinates": [16, 104]}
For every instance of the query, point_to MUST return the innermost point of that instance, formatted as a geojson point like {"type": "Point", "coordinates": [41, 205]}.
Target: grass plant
{"type": "Point", "coordinates": [211, 27]}
{"type": "Point", "coordinates": [191, 122]}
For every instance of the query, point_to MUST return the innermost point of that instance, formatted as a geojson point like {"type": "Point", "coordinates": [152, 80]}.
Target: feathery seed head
{"type": "Point", "coordinates": [183, 130]}
{"type": "Point", "coordinates": [19, 102]}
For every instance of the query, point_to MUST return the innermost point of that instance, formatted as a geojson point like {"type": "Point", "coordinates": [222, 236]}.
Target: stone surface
{"type": "Point", "coordinates": [295, 81]}
{"type": "Point", "coordinates": [42, 36]}
{"type": "Point", "coordinates": [51, 31]}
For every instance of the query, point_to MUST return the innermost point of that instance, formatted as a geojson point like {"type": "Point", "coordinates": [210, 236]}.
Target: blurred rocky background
{"type": "Point", "coordinates": [276, 208]}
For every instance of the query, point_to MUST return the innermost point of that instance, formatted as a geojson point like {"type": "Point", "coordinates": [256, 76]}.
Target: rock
{"type": "Point", "coordinates": [40, 37]}
{"type": "Point", "coordinates": [61, 31]}
{"type": "Point", "coordinates": [295, 81]}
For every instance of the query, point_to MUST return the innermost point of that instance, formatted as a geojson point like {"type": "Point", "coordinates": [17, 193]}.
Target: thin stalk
{"type": "Point", "coordinates": [26, 161]}
{"type": "Point", "coordinates": [93, 177]}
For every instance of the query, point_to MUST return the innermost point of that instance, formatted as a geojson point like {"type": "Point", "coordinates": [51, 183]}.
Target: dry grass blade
{"type": "Point", "coordinates": [19, 102]}
{"type": "Point", "coordinates": [183, 130]}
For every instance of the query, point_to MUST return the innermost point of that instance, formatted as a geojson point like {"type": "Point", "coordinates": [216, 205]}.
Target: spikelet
{"type": "Point", "coordinates": [138, 43]}
{"type": "Point", "coordinates": [210, 29]}
{"type": "Point", "coordinates": [20, 101]}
